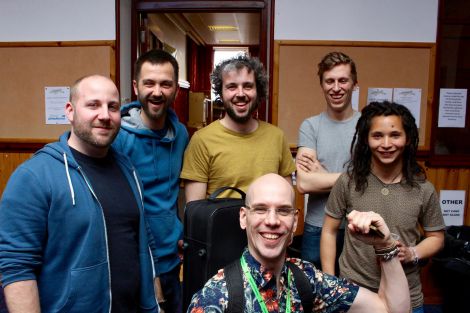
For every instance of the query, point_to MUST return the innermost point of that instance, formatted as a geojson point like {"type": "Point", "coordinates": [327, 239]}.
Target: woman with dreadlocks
{"type": "Point", "coordinates": [384, 176]}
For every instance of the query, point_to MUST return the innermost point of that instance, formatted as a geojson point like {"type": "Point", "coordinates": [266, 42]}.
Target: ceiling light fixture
{"type": "Point", "coordinates": [220, 28]}
{"type": "Point", "coordinates": [229, 41]}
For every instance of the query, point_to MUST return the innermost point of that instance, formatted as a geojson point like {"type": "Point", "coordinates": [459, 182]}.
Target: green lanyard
{"type": "Point", "coordinates": [261, 302]}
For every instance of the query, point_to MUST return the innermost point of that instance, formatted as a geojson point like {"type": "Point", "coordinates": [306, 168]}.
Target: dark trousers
{"type": "Point", "coordinates": [3, 306]}
{"type": "Point", "coordinates": [172, 291]}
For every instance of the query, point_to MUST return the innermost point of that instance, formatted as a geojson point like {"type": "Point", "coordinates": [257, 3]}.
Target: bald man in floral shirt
{"type": "Point", "coordinates": [270, 220]}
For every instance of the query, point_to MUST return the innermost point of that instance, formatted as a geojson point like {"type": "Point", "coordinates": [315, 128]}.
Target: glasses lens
{"type": "Point", "coordinates": [284, 211]}
{"type": "Point", "coordinates": [279, 211]}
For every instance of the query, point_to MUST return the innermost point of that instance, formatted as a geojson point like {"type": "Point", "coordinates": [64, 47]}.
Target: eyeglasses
{"type": "Point", "coordinates": [263, 211]}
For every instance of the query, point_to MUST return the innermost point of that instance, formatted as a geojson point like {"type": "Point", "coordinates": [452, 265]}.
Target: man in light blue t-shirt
{"type": "Point", "coordinates": [324, 148]}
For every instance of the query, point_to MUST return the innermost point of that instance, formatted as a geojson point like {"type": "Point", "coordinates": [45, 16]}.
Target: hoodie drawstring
{"type": "Point", "coordinates": [169, 162]}
{"type": "Point", "coordinates": [138, 187]}
{"type": "Point", "coordinates": [72, 192]}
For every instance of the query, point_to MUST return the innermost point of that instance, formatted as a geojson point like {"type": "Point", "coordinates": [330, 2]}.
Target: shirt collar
{"type": "Point", "coordinates": [264, 278]}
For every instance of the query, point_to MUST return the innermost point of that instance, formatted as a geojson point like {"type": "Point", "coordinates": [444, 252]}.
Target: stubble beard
{"type": "Point", "coordinates": [241, 119]}
{"type": "Point", "coordinates": [155, 116]}
{"type": "Point", "coordinates": [86, 135]}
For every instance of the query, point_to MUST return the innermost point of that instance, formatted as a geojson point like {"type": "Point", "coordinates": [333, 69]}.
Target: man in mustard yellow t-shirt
{"type": "Point", "coordinates": [238, 148]}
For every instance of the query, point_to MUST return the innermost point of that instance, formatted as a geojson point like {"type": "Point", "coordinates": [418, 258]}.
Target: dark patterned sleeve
{"type": "Point", "coordinates": [212, 298]}
{"type": "Point", "coordinates": [332, 294]}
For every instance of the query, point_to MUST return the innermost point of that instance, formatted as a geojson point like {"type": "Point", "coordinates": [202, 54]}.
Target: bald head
{"type": "Point", "coordinates": [93, 112]}
{"type": "Point", "coordinates": [75, 89]}
{"type": "Point", "coordinates": [270, 184]}
{"type": "Point", "coordinates": [269, 229]}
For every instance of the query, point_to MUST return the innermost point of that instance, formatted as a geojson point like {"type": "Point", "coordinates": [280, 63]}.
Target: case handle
{"type": "Point", "coordinates": [214, 195]}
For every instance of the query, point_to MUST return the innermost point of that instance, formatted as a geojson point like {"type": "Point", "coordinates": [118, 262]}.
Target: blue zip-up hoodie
{"type": "Point", "coordinates": [52, 230]}
{"type": "Point", "coordinates": [158, 161]}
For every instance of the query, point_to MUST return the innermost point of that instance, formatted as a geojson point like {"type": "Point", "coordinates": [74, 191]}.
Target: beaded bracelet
{"type": "Point", "coordinates": [389, 248]}
{"type": "Point", "coordinates": [387, 254]}
{"type": "Point", "coordinates": [386, 249]}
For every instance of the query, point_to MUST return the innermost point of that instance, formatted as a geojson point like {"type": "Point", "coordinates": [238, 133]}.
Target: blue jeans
{"type": "Point", "coordinates": [172, 292]}
{"type": "Point", "coordinates": [419, 309]}
{"type": "Point", "coordinates": [311, 245]}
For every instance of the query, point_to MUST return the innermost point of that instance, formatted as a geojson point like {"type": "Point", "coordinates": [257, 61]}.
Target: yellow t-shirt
{"type": "Point", "coordinates": [220, 157]}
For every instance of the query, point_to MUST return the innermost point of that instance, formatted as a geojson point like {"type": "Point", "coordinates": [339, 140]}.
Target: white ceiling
{"type": "Point", "coordinates": [196, 26]}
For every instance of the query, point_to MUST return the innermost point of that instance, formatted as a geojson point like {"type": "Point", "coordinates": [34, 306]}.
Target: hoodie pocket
{"type": "Point", "coordinates": [166, 229]}
{"type": "Point", "coordinates": [88, 290]}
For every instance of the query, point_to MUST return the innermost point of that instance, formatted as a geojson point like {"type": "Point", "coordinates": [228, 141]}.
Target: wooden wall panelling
{"type": "Point", "coordinates": [8, 163]}
{"type": "Point", "coordinates": [28, 67]}
{"type": "Point", "coordinates": [451, 179]}
{"type": "Point", "coordinates": [298, 95]}
{"type": "Point", "coordinates": [443, 179]}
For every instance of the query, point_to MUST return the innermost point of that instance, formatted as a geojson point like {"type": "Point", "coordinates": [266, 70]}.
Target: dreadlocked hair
{"type": "Point", "coordinates": [359, 167]}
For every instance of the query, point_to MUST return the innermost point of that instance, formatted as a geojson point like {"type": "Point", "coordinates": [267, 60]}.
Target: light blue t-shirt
{"type": "Point", "coordinates": [332, 142]}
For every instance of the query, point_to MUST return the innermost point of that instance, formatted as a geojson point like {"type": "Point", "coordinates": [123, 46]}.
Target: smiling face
{"type": "Point", "coordinates": [239, 94]}
{"type": "Point", "coordinates": [94, 115]}
{"type": "Point", "coordinates": [271, 233]}
{"type": "Point", "coordinates": [156, 91]}
{"type": "Point", "coordinates": [338, 86]}
{"type": "Point", "coordinates": [387, 142]}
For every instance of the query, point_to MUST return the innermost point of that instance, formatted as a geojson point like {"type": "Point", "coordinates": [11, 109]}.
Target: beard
{"type": "Point", "coordinates": [156, 115]}
{"type": "Point", "coordinates": [241, 119]}
{"type": "Point", "coordinates": [85, 133]}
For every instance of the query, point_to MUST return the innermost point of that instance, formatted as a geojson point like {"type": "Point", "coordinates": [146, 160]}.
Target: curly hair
{"type": "Point", "coordinates": [360, 165]}
{"type": "Point", "coordinates": [333, 59]}
{"type": "Point", "coordinates": [237, 63]}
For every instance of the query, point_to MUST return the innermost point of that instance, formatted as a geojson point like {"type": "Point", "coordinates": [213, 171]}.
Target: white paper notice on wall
{"type": "Point", "coordinates": [411, 98]}
{"type": "Point", "coordinates": [452, 206]}
{"type": "Point", "coordinates": [452, 108]}
{"type": "Point", "coordinates": [379, 94]}
{"type": "Point", "coordinates": [56, 98]}
{"type": "Point", "coordinates": [355, 99]}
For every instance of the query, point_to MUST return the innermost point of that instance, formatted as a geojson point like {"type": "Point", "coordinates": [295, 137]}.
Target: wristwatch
{"type": "Point", "coordinates": [415, 256]}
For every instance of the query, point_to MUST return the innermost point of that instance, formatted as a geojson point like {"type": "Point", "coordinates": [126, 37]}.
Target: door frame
{"type": "Point", "coordinates": [264, 7]}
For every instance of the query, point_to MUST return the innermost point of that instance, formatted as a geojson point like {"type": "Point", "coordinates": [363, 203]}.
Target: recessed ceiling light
{"type": "Point", "coordinates": [229, 41]}
{"type": "Point", "coordinates": [219, 28]}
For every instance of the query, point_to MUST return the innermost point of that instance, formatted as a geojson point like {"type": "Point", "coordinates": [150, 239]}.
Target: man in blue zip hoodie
{"type": "Point", "coordinates": [155, 140]}
{"type": "Point", "coordinates": [73, 237]}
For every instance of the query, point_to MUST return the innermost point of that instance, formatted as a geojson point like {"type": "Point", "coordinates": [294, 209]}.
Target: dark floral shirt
{"type": "Point", "coordinates": [332, 294]}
